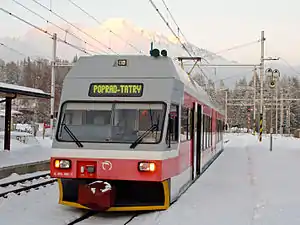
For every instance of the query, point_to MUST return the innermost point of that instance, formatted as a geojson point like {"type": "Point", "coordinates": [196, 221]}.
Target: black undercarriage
{"type": "Point", "coordinates": [128, 193]}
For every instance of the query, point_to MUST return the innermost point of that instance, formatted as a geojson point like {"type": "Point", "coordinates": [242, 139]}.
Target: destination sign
{"type": "Point", "coordinates": [116, 90]}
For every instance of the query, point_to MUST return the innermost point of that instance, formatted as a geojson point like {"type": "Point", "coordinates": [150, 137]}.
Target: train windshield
{"type": "Point", "coordinates": [112, 122]}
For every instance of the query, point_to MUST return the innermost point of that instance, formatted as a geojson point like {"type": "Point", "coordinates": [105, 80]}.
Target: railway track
{"type": "Point", "coordinates": [110, 218]}
{"type": "Point", "coordinates": [25, 184]}
{"type": "Point", "coordinates": [126, 219]}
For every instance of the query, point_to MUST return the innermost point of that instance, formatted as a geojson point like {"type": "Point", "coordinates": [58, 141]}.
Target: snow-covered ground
{"type": "Point", "coordinates": [246, 185]}
{"type": "Point", "coordinates": [16, 176]}
{"type": "Point", "coordinates": [34, 149]}
{"type": "Point", "coordinates": [37, 207]}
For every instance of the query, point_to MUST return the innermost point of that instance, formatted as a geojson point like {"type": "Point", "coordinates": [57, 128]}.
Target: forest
{"type": "Point", "coordinates": [240, 102]}
{"type": "Point", "coordinates": [36, 73]}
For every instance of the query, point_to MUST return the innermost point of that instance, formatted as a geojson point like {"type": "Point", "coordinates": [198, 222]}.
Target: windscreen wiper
{"type": "Point", "coordinates": [140, 138]}
{"type": "Point", "coordinates": [70, 133]}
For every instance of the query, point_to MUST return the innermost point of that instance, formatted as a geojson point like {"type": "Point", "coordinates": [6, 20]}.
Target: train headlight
{"type": "Point", "coordinates": [62, 164]}
{"type": "Point", "coordinates": [146, 166]}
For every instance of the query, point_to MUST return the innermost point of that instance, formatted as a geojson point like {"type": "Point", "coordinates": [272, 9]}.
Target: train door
{"type": "Point", "coordinates": [196, 135]}
{"type": "Point", "coordinates": [214, 131]}
{"type": "Point", "coordinates": [194, 138]}
{"type": "Point", "coordinates": [198, 143]}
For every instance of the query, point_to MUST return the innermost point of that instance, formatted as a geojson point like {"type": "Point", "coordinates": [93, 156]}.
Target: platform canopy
{"type": "Point", "coordinates": [9, 92]}
{"type": "Point", "coordinates": [12, 90]}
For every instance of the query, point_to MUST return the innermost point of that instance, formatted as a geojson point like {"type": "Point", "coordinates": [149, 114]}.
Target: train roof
{"type": "Point", "coordinates": [156, 68]}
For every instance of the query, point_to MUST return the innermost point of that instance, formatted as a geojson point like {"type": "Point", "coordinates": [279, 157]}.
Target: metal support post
{"type": "Point", "coordinates": [248, 121]}
{"type": "Point", "coordinates": [288, 123]}
{"type": "Point", "coordinates": [271, 142]}
{"type": "Point", "coordinates": [35, 120]}
{"type": "Point", "coordinates": [260, 127]}
{"type": "Point", "coordinates": [264, 119]}
{"type": "Point", "coordinates": [226, 99]}
{"type": "Point", "coordinates": [281, 112]}
{"type": "Point", "coordinates": [254, 99]}
{"type": "Point", "coordinates": [276, 111]}
{"type": "Point", "coordinates": [271, 128]}
{"type": "Point", "coordinates": [53, 84]}
{"type": "Point", "coordinates": [262, 41]}
{"type": "Point", "coordinates": [7, 126]}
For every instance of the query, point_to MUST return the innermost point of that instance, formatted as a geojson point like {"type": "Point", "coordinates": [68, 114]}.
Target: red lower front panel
{"type": "Point", "coordinates": [107, 169]}
{"type": "Point", "coordinates": [124, 169]}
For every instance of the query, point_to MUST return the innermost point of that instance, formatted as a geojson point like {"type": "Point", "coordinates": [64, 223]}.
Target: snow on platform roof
{"type": "Point", "coordinates": [21, 90]}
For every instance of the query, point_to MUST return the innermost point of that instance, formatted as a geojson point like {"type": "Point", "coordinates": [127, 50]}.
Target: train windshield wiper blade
{"type": "Point", "coordinates": [70, 133]}
{"type": "Point", "coordinates": [140, 138]}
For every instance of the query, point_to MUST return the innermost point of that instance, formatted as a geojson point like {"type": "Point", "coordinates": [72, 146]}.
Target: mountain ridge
{"type": "Point", "coordinates": [35, 44]}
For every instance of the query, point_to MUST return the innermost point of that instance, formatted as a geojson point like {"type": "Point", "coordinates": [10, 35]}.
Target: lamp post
{"type": "Point", "coordinates": [274, 76]}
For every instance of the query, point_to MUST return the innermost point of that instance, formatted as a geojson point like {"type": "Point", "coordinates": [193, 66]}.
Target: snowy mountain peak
{"type": "Point", "coordinates": [119, 34]}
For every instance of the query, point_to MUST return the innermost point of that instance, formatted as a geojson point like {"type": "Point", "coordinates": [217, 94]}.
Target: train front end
{"type": "Point", "coordinates": [111, 151]}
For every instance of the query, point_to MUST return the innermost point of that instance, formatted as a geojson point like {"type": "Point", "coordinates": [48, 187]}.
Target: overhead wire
{"type": "Point", "coordinates": [44, 31]}
{"type": "Point", "coordinates": [20, 53]}
{"type": "Point", "coordinates": [182, 34]}
{"type": "Point", "coordinates": [170, 28]}
{"type": "Point", "coordinates": [207, 55]}
{"type": "Point", "coordinates": [180, 31]}
{"type": "Point", "coordinates": [178, 28]}
{"type": "Point", "coordinates": [233, 48]}
{"type": "Point", "coordinates": [101, 23]}
{"type": "Point", "coordinates": [12, 49]}
{"type": "Point", "coordinates": [76, 27]}
{"type": "Point", "coordinates": [289, 65]}
{"type": "Point", "coordinates": [59, 27]}
{"type": "Point", "coordinates": [175, 35]}
{"type": "Point", "coordinates": [246, 73]}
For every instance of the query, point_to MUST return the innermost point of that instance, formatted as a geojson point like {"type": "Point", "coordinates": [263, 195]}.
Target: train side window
{"type": "Point", "coordinates": [173, 125]}
{"type": "Point", "coordinates": [191, 125]}
{"type": "Point", "coordinates": [221, 129]}
{"type": "Point", "coordinates": [210, 131]}
{"type": "Point", "coordinates": [218, 130]}
{"type": "Point", "coordinates": [224, 126]}
{"type": "Point", "coordinates": [205, 132]}
{"type": "Point", "coordinates": [184, 128]}
{"type": "Point", "coordinates": [207, 145]}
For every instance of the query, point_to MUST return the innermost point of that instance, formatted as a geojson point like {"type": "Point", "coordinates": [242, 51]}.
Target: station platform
{"type": "Point", "coordinates": [247, 184]}
{"type": "Point", "coordinates": [25, 158]}
{"type": "Point", "coordinates": [29, 158]}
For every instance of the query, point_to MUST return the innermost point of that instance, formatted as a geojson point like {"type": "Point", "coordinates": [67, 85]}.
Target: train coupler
{"type": "Point", "coordinates": [98, 195]}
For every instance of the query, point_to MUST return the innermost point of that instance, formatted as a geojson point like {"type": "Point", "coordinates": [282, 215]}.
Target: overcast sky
{"type": "Point", "coordinates": [212, 24]}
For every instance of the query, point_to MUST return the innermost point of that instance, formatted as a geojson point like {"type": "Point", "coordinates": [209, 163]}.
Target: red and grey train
{"type": "Point", "coordinates": [133, 133]}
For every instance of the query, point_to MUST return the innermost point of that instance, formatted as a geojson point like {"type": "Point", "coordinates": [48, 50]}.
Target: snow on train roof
{"type": "Point", "coordinates": [192, 87]}
{"type": "Point", "coordinates": [161, 67]}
